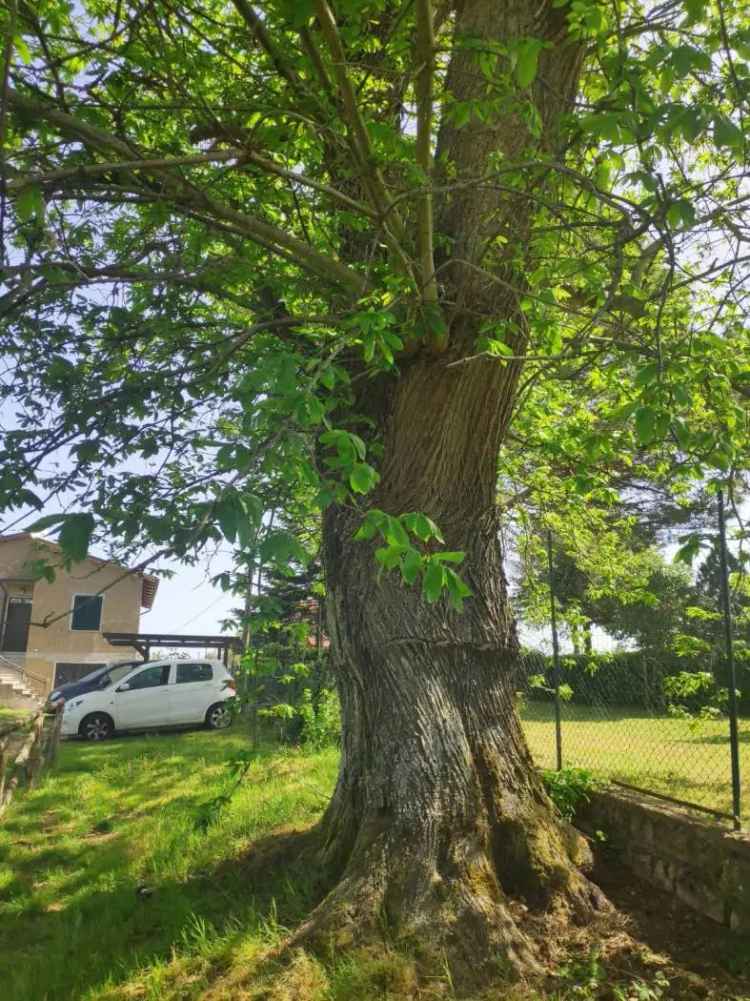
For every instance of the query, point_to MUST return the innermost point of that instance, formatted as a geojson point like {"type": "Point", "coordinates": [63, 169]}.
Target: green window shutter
{"type": "Point", "coordinates": [87, 611]}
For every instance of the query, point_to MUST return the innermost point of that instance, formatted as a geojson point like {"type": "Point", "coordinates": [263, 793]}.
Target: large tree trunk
{"type": "Point", "coordinates": [439, 824]}
{"type": "Point", "coordinates": [439, 821]}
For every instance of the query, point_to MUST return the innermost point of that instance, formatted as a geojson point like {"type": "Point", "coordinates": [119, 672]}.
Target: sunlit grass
{"type": "Point", "coordinates": [113, 888]}
{"type": "Point", "coordinates": [106, 867]}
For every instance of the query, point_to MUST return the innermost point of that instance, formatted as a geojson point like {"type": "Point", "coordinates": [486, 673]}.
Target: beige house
{"type": "Point", "coordinates": [53, 630]}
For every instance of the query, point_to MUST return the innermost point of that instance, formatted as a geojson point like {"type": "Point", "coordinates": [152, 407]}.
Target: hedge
{"type": "Point", "coordinates": [624, 678]}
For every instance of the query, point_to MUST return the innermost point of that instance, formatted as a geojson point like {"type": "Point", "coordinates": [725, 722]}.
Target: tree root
{"type": "Point", "coordinates": [454, 916]}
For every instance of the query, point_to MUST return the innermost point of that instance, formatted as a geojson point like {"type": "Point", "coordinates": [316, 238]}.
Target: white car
{"type": "Point", "coordinates": [159, 693]}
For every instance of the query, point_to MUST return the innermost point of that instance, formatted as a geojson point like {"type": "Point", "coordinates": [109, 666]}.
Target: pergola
{"type": "Point", "coordinates": [143, 642]}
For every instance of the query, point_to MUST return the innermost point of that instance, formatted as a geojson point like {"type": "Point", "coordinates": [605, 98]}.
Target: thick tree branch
{"type": "Point", "coordinates": [181, 193]}
{"type": "Point", "coordinates": [20, 182]}
{"type": "Point", "coordinates": [373, 178]}
{"type": "Point", "coordinates": [256, 25]}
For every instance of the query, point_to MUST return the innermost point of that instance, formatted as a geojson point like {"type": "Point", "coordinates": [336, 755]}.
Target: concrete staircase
{"type": "Point", "coordinates": [15, 690]}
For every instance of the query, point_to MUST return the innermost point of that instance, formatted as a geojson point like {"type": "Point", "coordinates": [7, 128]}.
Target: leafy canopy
{"type": "Point", "coordinates": [221, 221]}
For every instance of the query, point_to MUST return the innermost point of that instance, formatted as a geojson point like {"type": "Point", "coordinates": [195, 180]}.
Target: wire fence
{"type": "Point", "coordinates": [614, 716]}
{"type": "Point", "coordinates": [622, 731]}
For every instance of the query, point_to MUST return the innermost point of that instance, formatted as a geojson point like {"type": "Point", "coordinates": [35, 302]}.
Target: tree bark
{"type": "Point", "coordinates": [439, 824]}
{"type": "Point", "coordinates": [439, 821]}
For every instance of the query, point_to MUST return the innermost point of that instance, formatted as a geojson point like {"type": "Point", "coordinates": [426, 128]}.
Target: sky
{"type": "Point", "coordinates": [188, 602]}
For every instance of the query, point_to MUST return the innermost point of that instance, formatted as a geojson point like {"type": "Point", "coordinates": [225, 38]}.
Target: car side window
{"type": "Point", "coordinates": [187, 673]}
{"type": "Point", "coordinates": [152, 677]}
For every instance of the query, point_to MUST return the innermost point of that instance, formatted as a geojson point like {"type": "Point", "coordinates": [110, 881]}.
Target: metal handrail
{"type": "Point", "coordinates": [35, 684]}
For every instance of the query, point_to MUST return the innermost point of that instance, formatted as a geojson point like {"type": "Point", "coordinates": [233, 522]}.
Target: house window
{"type": "Point", "coordinates": [87, 612]}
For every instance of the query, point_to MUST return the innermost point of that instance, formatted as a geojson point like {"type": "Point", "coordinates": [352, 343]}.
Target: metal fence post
{"type": "Point", "coordinates": [555, 656]}
{"type": "Point", "coordinates": [729, 647]}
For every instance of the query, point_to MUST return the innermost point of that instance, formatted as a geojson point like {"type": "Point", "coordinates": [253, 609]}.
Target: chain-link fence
{"type": "Point", "coordinates": [665, 728]}
{"type": "Point", "coordinates": [616, 723]}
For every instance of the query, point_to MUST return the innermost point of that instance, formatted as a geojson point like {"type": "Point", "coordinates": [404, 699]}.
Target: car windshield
{"type": "Point", "coordinates": [114, 674]}
{"type": "Point", "coordinates": [92, 676]}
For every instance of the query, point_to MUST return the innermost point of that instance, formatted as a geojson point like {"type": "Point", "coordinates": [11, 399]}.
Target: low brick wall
{"type": "Point", "coordinates": [703, 864]}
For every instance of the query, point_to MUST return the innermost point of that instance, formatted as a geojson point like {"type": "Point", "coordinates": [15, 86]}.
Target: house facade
{"type": "Point", "coordinates": [53, 630]}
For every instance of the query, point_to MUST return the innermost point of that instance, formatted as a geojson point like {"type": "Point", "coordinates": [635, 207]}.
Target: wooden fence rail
{"type": "Point", "coordinates": [21, 766]}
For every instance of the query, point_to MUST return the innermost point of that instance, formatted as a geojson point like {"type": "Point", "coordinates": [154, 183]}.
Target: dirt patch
{"type": "Point", "coordinates": [700, 957]}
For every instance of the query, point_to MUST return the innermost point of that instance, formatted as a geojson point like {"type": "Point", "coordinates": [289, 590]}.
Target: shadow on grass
{"type": "Point", "coordinates": [74, 911]}
{"type": "Point", "coordinates": [743, 737]}
{"type": "Point", "coordinates": [107, 936]}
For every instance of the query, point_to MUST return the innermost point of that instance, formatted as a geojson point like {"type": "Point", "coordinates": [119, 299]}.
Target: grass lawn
{"type": "Point", "coordinates": [126, 814]}
{"type": "Point", "coordinates": [662, 754]}
{"type": "Point", "coordinates": [114, 888]}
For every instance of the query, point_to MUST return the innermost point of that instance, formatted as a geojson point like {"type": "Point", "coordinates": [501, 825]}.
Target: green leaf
{"type": "Point", "coordinates": [450, 557]}
{"type": "Point", "coordinates": [366, 531]}
{"type": "Point", "coordinates": [23, 50]}
{"type": "Point", "coordinates": [228, 513]}
{"type": "Point", "coordinates": [726, 133]}
{"type": "Point", "coordinates": [245, 531]}
{"type": "Point", "coordinates": [648, 374]}
{"type": "Point", "coordinates": [606, 125]}
{"type": "Point", "coordinates": [394, 531]}
{"type": "Point", "coordinates": [297, 12]}
{"type": "Point", "coordinates": [389, 557]}
{"type": "Point", "coordinates": [688, 550]}
{"type": "Point", "coordinates": [457, 589]}
{"type": "Point", "coordinates": [527, 61]}
{"type": "Point", "coordinates": [362, 478]}
{"type": "Point", "coordinates": [46, 522]}
{"type": "Point", "coordinates": [30, 203]}
{"type": "Point", "coordinates": [411, 565]}
{"type": "Point", "coordinates": [29, 498]}
{"type": "Point", "coordinates": [282, 547]}
{"type": "Point", "coordinates": [681, 213]}
{"type": "Point", "coordinates": [685, 58]}
{"type": "Point", "coordinates": [682, 434]}
{"type": "Point", "coordinates": [433, 581]}
{"type": "Point", "coordinates": [75, 536]}
{"type": "Point", "coordinates": [645, 424]}
{"type": "Point", "coordinates": [695, 9]}
{"type": "Point", "coordinates": [423, 527]}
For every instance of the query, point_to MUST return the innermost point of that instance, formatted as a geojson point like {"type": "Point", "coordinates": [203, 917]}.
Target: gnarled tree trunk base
{"type": "Point", "coordinates": [464, 924]}
{"type": "Point", "coordinates": [486, 899]}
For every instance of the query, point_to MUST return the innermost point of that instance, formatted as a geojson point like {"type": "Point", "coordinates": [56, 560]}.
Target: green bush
{"type": "Point", "coordinates": [321, 719]}
{"type": "Point", "coordinates": [627, 678]}
{"type": "Point", "coordinates": [568, 788]}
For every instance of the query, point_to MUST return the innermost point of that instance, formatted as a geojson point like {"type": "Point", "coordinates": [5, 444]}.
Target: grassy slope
{"type": "Point", "coordinates": [124, 816]}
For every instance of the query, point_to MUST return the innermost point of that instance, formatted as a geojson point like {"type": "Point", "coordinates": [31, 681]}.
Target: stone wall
{"type": "Point", "coordinates": [704, 864]}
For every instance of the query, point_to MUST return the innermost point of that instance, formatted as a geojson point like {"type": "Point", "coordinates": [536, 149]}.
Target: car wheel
{"type": "Point", "coordinates": [219, 716]}
{"type": "Point", "coordinates": [97, 726]}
